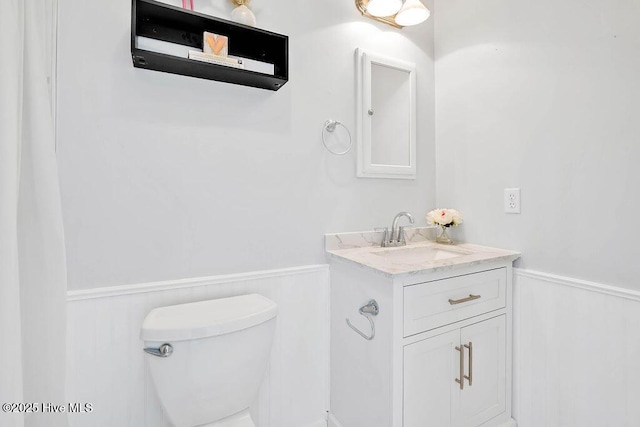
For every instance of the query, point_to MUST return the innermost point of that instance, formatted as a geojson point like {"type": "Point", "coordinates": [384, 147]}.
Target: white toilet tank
{"type": "Point", "coordinates": [220, 349]}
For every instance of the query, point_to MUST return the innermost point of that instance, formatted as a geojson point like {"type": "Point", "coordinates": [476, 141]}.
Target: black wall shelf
{"type": "Point", "coordinates": [164, 22]}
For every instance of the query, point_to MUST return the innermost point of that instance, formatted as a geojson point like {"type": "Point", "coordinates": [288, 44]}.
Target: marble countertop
{"type": "Point", "coordinates": [420, 255]}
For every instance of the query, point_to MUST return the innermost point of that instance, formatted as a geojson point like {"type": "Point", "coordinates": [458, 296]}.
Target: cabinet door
{"type": "Point", "coordinates": [484, 394]}
{"type": "Point", "coordinates": [430, 369]}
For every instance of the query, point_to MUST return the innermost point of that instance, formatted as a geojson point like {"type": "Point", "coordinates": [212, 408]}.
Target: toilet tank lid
{"type": "Point", "coordinates": [207, 318]}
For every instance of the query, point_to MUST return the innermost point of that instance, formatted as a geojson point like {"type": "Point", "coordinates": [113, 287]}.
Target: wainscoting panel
{"type": "Point", "coordinates": [105, 364]}
{"type": "Point", "coordinates": [576, 353]}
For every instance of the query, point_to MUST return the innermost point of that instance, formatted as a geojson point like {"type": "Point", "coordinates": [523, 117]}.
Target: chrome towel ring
{"type": "Point", "coordinates": [330, 126]}
{"type": "Point", "coordinates": [369, 310]}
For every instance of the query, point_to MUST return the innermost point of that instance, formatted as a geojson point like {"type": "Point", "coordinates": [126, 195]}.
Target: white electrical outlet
{"type": "Point", "coordinates": [512, 200]}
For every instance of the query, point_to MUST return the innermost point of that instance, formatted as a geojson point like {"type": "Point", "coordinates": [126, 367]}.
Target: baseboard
{"type": "Point", "coordinates": [320, 423]}
{"type": "Point", "coordinates": [510, 423]}
{"type": "Point", "coordinates": [332, 421]}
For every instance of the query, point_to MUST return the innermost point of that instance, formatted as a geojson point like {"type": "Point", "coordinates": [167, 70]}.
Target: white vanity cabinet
{"type": "Point", "coordinates": [441, 355]}
{"type": "Point", "coordinates": [475, 353]}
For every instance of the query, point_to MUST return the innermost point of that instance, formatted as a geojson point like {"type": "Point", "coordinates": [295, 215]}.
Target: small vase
{"type": "Point", "coordinates": [442, 236]}
{"type": "Point", "coordinates": [243, 15]}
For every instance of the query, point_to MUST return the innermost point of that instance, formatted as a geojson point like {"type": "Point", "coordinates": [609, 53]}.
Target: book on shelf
{"type": "Point", "coordinates": [216, 59]}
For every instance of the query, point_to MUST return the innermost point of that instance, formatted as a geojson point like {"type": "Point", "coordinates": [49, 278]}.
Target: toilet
{"type": "Point", "coordinates": [207, 359]}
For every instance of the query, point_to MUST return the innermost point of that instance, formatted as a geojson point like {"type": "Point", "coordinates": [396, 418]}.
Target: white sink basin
{"type": "Point", "coordinates": [419, 254]}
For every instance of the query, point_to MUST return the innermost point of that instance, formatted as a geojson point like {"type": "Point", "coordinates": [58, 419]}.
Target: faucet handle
{"type": "Point", "coordinates": [385, 236]}
{"type": "Point", "coordinates": [401, 240]}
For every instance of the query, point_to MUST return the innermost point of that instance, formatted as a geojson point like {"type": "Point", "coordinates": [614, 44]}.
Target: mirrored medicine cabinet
{"type": "Point", "coordinates": [386, 116]}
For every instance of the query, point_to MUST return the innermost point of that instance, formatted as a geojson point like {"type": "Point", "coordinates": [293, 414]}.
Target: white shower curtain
{"type": "Point", "coordinates": [32, 257]}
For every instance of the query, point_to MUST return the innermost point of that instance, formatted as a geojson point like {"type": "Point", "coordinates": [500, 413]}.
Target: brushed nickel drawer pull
{"type": "Point", "coordinates": [470, 376]}
{"type": "Point", "coordinates": [462, 376]}
{"type": "Point", "coordinates": [471, 297]}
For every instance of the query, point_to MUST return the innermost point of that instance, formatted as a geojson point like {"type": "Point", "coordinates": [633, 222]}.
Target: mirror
{"type": "Point", "coordinates": [386, 116]}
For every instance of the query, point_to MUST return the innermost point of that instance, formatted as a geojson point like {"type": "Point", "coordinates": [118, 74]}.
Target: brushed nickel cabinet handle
{"type": "Point", "coordinates": [471, 297]}
{"type": "Point", "coordinates": [462, 376]}
{"type": "Point", "coordinates": [470, 376]}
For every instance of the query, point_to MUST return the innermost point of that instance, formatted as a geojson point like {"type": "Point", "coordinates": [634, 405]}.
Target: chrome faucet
{"type": "Point", "coordinates": [397, 233]}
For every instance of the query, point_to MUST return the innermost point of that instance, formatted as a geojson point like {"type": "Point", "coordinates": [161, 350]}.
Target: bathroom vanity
{"type": "Point", "coordinates": [441, 352]}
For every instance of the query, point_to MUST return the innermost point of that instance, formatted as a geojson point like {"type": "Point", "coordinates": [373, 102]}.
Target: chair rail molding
{"type": "Point", "coordinates": [579, 283]}
{"type": "Point", "coordinates": [139, 288]}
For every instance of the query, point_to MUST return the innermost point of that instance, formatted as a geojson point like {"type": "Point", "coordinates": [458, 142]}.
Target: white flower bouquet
{"type": "Point", "coordinates": [444, 217]}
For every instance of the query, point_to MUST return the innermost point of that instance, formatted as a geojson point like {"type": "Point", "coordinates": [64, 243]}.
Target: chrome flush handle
{"type": "Point", "coordinates": [165, 350]}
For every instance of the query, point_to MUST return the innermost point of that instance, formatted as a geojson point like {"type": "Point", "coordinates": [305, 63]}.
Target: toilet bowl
{"type": "Point", "coordinates": [207, 359]}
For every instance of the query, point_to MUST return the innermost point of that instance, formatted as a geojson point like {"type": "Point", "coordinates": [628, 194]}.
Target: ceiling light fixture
{"type": "Point", "coordinates": [413, 12]}
{"type": "Point", "coordinates": [382, 8]}
{"type": "Point", "coordinates": [394, 12]}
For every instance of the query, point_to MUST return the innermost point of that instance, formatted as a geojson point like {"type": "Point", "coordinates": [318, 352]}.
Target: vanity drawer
{"type": "Point", "coordinates": [434, 304]}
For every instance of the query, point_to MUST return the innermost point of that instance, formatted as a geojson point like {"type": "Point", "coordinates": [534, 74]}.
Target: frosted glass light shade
{"type": "Point", "coordinates": [381, 8]}
{"type": "Point", "coordinates": [412, 13]}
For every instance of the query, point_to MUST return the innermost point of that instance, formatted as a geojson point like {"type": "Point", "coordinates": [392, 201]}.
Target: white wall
{"type": "Point", "coordinates": [544, 96]}
{"type": "Point", "coordinates": [166, 177]}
